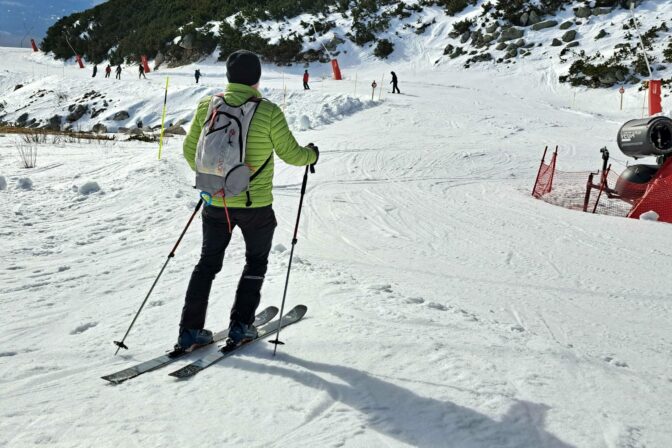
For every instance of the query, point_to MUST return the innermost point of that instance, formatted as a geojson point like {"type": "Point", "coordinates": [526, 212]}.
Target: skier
{"type": "Point", "coordinates": [95, 71]}
{"type": "Point", "coordinates": [118, 72]}
{"type": "Point", "coordinates": [252, 211]}
{"type": "Point", "coordinates": [141, 72]}
{"type": "Point", "coordinates": [197, 75]}
{"type": "Point", "coordinates": [306, 77]}
{"type": "Point", "coordinates": [108, 70]}
{"type": "Point", "coordinates": [394, 83]}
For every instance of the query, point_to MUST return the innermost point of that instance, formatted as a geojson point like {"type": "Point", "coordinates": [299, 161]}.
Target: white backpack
{"type": "Point", "coordinates": [221, 149]}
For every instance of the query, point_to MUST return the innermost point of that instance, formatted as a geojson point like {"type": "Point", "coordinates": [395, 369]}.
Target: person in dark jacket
{"type": "Point", "coordinates": [95, 71]}
{"type": "Point", "coordinates": [108, 70]}
{"type": "Point", "coordinates": [197, 75]}
{"type": "Point", "coordinates": [394, 83]}
{"type": "Point", "coordinates": [118, 72]}
{"type": "Point", "coordinates": [306, 77]}
{"type": "Point", "coordinates": [141, 72]}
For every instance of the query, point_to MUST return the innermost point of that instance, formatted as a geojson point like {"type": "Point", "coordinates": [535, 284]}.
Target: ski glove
{"type": "Point", "coordinates": [317, 152]}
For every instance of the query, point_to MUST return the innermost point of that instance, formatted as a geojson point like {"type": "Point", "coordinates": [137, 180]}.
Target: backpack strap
{"type": "Point", "coordinates": [255, 174]}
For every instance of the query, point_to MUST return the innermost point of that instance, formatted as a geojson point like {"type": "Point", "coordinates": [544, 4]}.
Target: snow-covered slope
{"type": "Point", "coordinates": [447, 308]}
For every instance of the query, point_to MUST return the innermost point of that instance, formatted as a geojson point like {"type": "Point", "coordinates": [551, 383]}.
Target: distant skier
{"type": "Point", "coordinates": [108, 70]}
{"type": "Point", "coordinates": [141, 72]}
{"type": "Point", "coordinates": [252, 210]}
{"type": "Point", "coordinates": [95, 71]}
{"type": "Point", "coordinates": [394, 83]}
{"type": "Point", "coordinates": [118, 72]}
{"type": "Point", "coordinates": [306, 77]}
{"type": "Point", "coordinates": [197, 75]}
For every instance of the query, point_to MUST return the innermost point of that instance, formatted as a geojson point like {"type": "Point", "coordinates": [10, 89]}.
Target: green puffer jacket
{"type": "Point", "coordinates": [268, 131]}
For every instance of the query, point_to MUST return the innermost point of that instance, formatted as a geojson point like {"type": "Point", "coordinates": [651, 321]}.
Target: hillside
{"type": "Point", "coordinates": [596, 39]}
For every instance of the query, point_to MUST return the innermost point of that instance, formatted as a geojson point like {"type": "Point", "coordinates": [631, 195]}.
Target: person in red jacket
{"type": "Point", "coordinates": [108, 70]}
{"type": "Point", "coordinates": [306, 77]}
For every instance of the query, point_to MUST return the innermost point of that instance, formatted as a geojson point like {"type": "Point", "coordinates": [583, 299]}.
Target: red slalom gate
{"type": "Point", "coordinates": [32, 43]}
{"type": "Point", "coordinates": [336, 69]}
{"type": "Point", "coordinates": [79, 61]}
{"type": "Point", "coordinates": [655, 102]}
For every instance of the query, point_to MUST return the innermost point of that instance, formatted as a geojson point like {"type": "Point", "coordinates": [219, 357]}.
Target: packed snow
{"type": "Point", "coordinates": [446, 306]}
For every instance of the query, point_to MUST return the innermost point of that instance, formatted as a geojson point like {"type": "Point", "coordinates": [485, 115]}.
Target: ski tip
{"type": "Point", "coordinates": [299, 310]}
{"type": "Point", "coordinates": [111, 380]}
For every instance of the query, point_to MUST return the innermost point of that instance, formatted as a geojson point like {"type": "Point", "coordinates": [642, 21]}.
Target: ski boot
{"type": "Point", "coordinates": [188, 340]}
{"type": "Point", "coordinates": [239, 334]}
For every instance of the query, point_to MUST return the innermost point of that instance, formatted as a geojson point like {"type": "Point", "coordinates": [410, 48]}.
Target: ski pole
{"type": "Point", "coordinates": [277, 340]}
{"type": "Point", "coordinates": [120, 344]}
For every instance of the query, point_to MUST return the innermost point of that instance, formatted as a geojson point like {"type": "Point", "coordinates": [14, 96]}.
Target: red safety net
{"type": "Point", "coordinates": [605, 194]}
{"type": "Point", "coordinates": [544, 183]}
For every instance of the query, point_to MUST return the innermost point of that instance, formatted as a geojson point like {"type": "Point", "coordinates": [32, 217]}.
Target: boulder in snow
{"type": "Point", "coordinates": [99, 128]}
{"type": "Point", "coordinates": [175, 130]}
{"type": "Point", "coordinates": [24, 183]}
{"type": "Point", "coordinates": [511, 34]}
{"type": "Point", "coordinates": [569, 36]}
{"type": "Point", "coordinates": [23, 118]}
{"type": "Point", "coordinates": [566, 25]}
{"type": "Point", "coordinates": [121, 116]}
{"type": "Point", "coordinates": [545, 24]}
{"type": "Point", "coordinates": [77, 112]}
{"type": "Point", "coordinates": [556, 42]}
{"type": "Point", "coordinates": [602, 34]}
{"type": "Point", "coordinates": [534, 18]}
{"type": "Point", "coordinates": [54, 123]}
{"type": "Point", "coordinates": [582, 12]}
{"type": "Point", "coordinates": [89, 188]}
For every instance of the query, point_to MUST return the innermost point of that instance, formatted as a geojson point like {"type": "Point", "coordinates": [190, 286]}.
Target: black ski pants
{"type": "Point", "coordinates": [395, 88]}
{"type": "Point", "coordinates": [257, 226]}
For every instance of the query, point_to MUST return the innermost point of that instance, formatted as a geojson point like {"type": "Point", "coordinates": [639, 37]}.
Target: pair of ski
{"type": "Point", "coordinates": [265, 328]}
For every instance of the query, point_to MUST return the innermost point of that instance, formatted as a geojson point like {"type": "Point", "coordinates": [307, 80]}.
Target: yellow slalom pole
{"type": "Point", "coordinates": [163, 118]}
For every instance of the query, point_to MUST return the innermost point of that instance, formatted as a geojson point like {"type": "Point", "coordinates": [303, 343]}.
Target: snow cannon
{"type": "Point", "coordinates": [643, 138]}
{"type": "Point", "coordinates": [646, 137]}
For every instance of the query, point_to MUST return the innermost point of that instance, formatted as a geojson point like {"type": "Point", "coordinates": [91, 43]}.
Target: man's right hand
{"type": "Point", "coordinates": [317, 152]}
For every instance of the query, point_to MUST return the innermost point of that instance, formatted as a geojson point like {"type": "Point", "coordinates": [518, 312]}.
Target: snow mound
{"type": "Point", "coordinates": [649, 216]}
{"type": "Point", "coordinates": [279, 248]}
{"type": "Point", "coordinates": [3, 183]}
{"type": "Point", "coordinates": [310, 110]}
{"type": "Point", "coordinates": [24, 183]}
{"type": "Point", "coordinates": [89, 188]}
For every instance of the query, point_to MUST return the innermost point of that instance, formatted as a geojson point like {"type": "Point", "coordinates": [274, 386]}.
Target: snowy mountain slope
{"type": "Point", "coordinates": [446, 306]}
{"type": "Point", "coordinates": [51, 89]}
{"type": "Point", "coordinates": [47, 92]}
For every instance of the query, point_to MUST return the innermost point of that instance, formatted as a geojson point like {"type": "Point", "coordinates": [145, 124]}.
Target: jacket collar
{"type": "Point", "coordinates": [242, 89]}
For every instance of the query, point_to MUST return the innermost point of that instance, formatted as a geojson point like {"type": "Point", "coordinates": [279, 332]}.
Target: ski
{"type": "Point", "coordinates": [262, 318]}
{"type": "Point", "coordinates": [292, 317]}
